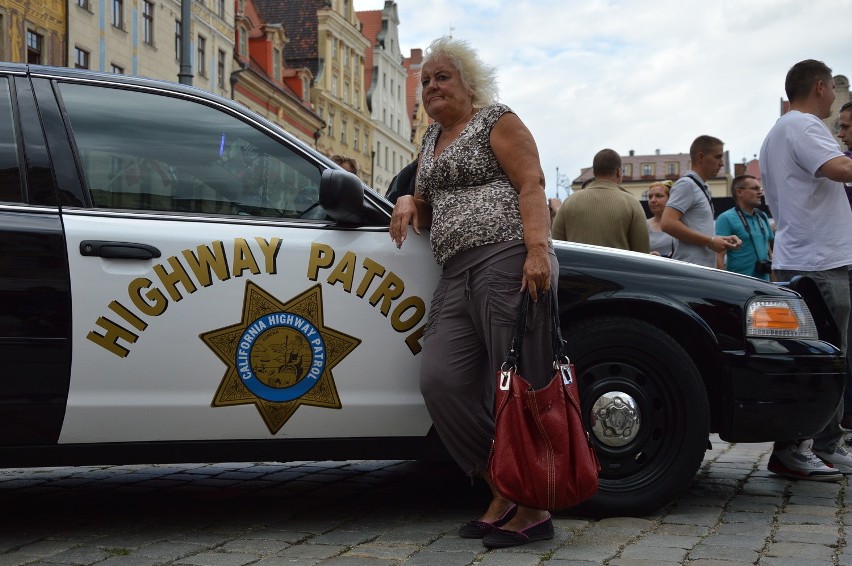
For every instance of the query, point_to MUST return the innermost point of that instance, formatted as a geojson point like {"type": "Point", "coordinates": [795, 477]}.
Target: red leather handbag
{"type": "Point", "coordinates": [542, 456]}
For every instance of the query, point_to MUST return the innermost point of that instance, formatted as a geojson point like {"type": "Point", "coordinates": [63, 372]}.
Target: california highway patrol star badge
{"type": "Point", "coordinates": [279, 356]}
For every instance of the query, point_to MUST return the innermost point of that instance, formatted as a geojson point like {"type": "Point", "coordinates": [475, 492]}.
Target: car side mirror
{"type": "Point", "coordinates": [341, 194]}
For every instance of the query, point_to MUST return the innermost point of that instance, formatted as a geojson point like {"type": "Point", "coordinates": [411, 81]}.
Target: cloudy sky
{"type": "Point", "coordinates": [627, 74]}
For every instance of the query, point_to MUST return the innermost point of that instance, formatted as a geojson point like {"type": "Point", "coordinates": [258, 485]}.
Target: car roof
{"type": "Point", "coordinates": [50, 72]}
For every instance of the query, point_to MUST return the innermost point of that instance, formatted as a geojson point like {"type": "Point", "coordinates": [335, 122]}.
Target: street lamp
{"type": "Point", "coordinates": [185, 74]}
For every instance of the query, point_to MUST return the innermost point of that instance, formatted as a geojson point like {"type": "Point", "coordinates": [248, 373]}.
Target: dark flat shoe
{"type": "Point", "coordinates": [500, 538]}
{"type": "Point", "coordinates": [478, 529]}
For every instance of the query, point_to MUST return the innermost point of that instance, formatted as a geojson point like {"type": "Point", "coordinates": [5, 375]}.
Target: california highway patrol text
{"type": "Point", "coordinates": [186, 272]}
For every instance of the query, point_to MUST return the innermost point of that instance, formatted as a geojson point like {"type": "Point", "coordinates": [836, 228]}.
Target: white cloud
{"type": "Point", "coordinates": [589, 74]}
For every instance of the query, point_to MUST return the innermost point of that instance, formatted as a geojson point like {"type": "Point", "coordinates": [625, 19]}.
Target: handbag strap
{"type": "Point", "coordinates": [558, 344]}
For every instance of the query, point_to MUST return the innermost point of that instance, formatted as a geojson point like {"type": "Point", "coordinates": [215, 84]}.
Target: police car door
{"type": "Point", "coordinates": [212, 297]}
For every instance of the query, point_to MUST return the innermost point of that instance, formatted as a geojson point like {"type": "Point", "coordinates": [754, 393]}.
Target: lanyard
{"type": "Point", "coordinates": [705, 191]}
{"type": "Point", "coordinates": [758, 217]}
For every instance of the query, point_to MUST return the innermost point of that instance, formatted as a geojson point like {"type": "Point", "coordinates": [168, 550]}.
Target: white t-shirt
{"type": "Point", "coordinates": [812, 214]}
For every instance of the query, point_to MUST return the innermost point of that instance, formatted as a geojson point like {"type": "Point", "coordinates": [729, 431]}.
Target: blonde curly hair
{"type": "Point", "coordinates": [477, 76]}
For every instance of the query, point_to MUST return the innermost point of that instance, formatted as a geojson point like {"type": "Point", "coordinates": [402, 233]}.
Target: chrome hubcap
{"type": "Point", "coordinates": [615, 418]}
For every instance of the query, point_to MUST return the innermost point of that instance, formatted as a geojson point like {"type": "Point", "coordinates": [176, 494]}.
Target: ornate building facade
{"type": "Point", "coordinates": [262, 80]}
{"type": "Point", "coordinates": [325, 38]}
{"type": "Point", "coordinates": [385, 77]}
{"type": "Point", "coordinates": [143, 38]}
{"type": "Point", "coordinates": [416, 112]}
{"type": "Point", "coordinates": [33, 31]}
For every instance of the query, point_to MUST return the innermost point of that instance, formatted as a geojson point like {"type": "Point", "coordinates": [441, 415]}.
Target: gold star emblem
{"type": "Point", "coordinates": [279, 356]}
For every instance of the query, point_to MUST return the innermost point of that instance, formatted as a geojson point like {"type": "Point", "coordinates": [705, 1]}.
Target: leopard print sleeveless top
{"type": "Point", "coordinates": [473, 203]}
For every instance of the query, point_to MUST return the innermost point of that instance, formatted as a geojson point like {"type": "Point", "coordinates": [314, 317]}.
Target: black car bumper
{"type": "Point", "coordinates": [781, 390]}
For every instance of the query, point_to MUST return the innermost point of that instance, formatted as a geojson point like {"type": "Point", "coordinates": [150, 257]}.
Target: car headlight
{"type": "Point", "coordinates": [779, 317]}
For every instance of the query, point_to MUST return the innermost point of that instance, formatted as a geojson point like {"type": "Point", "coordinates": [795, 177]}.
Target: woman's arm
{"type": "Point", "coordinates": [516, 151]}
{"type": "Point", "coordinates": [409, 209]}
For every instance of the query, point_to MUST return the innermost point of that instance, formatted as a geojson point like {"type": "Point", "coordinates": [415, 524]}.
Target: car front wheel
{"type": "Point", "coordinates": [646, 408]}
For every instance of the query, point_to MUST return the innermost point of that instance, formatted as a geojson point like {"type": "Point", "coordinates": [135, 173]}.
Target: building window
{"type": "Point", "coordinates": [221, 9]}
{"type": "Point", "coordinates": [177, 39]}
{"type": "Point", "coordinates": [83, 4]}
{"type": "Point", "coordinates": [118, 13]}
{"type": "Point", "coordinates": [346, 57]}
{"type": "Point", "coordinates": [647, 169]}
{"type": "Point", "coordinates": [346, 89]}
{"type": "Point", "coordinates": [276, 64]}
{"type": "Point", "coordinates": [220, 69]}
{"type": "Point", "coordinates": [355, 138]}
{"type": "Point", "coordinates": [34, 47]}
{"type": "Point", "coordinates": [243, 41]}
{"type": "Point", "coordinates": [117, 70]}
{"type": "Point", "coordinates": [148, 22]}
{"type": "Point", "coordinates": [81, 58]}
{"type": "Point", "coordinates": [334, 86]}
{"type": "Point", "coordinates": [379, 153]}
{"type": "Point", "coordinates": [627, 170]}
{"type": "Point", "coordinates": [331, 125]}
{"type": "Point", "coordinates": [333, 48]}
{"type": "Point", "coordinates": [343, 127]}
{"type": "Point", "coordinates": [672, 168]}
{"type": "Point", "coordinates": [202, 56]}
{"type": "Point", "coordinates": [306, 89]}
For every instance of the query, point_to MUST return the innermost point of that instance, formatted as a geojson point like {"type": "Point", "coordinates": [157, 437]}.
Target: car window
{"type": "Point", "coordinates": [10, 173]}
{"type": "Point", "coordinates": [141, 150]}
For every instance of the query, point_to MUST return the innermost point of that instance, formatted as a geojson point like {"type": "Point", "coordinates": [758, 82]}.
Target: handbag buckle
{"type": "Point", "coordinates": [505, 377]}
{"type": "Point", "coordinates": [567, 371]}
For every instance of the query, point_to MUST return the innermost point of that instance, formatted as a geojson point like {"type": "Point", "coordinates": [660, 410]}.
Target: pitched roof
{"type": "Point", "coordinates": [300, 21]}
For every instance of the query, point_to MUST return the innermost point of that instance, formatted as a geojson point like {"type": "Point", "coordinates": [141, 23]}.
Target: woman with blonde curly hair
{"type": "Point", "coordinates": [480, 188]}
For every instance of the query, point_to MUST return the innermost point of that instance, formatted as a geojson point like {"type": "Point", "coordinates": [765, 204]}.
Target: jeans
{"type": "Point", "coordinates": [834, 287]}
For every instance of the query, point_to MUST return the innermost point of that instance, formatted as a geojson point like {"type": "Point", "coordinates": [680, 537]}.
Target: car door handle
{"type": "Point", "coordinates": [118, 250]}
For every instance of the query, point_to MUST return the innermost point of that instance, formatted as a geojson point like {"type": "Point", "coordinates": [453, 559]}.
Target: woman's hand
{"type": "Point", "coordinates": [404, 213]}
{"type": "Point", "coordinates": [537, 272]}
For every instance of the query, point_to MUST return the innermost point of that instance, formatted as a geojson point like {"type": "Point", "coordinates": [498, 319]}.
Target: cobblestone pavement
{"type": "Point", "coordinates": [388, 513]}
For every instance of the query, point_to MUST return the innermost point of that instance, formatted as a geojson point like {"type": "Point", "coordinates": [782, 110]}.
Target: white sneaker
{"type": "Point", "coordinates": [798, 461]}
{"type": "Point", "coordinates": [840, 459]}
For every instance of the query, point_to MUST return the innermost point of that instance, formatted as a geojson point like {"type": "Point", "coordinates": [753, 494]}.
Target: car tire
{"type": "Point", "coordinates": [645, 405]}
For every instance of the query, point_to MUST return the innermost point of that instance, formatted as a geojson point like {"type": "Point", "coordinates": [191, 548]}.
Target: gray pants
{"type": "Point", "coordinates": [471, 323]}
{"type": "Point", "coordinates": [834, 287]}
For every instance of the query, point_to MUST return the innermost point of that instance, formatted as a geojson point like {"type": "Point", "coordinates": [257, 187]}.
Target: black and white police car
{"type": "Point", "coordinates": [184, 281]}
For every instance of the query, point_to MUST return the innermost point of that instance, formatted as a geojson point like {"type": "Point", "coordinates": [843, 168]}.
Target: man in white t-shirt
{"type": "Point", "coordinates": [803, 171]}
